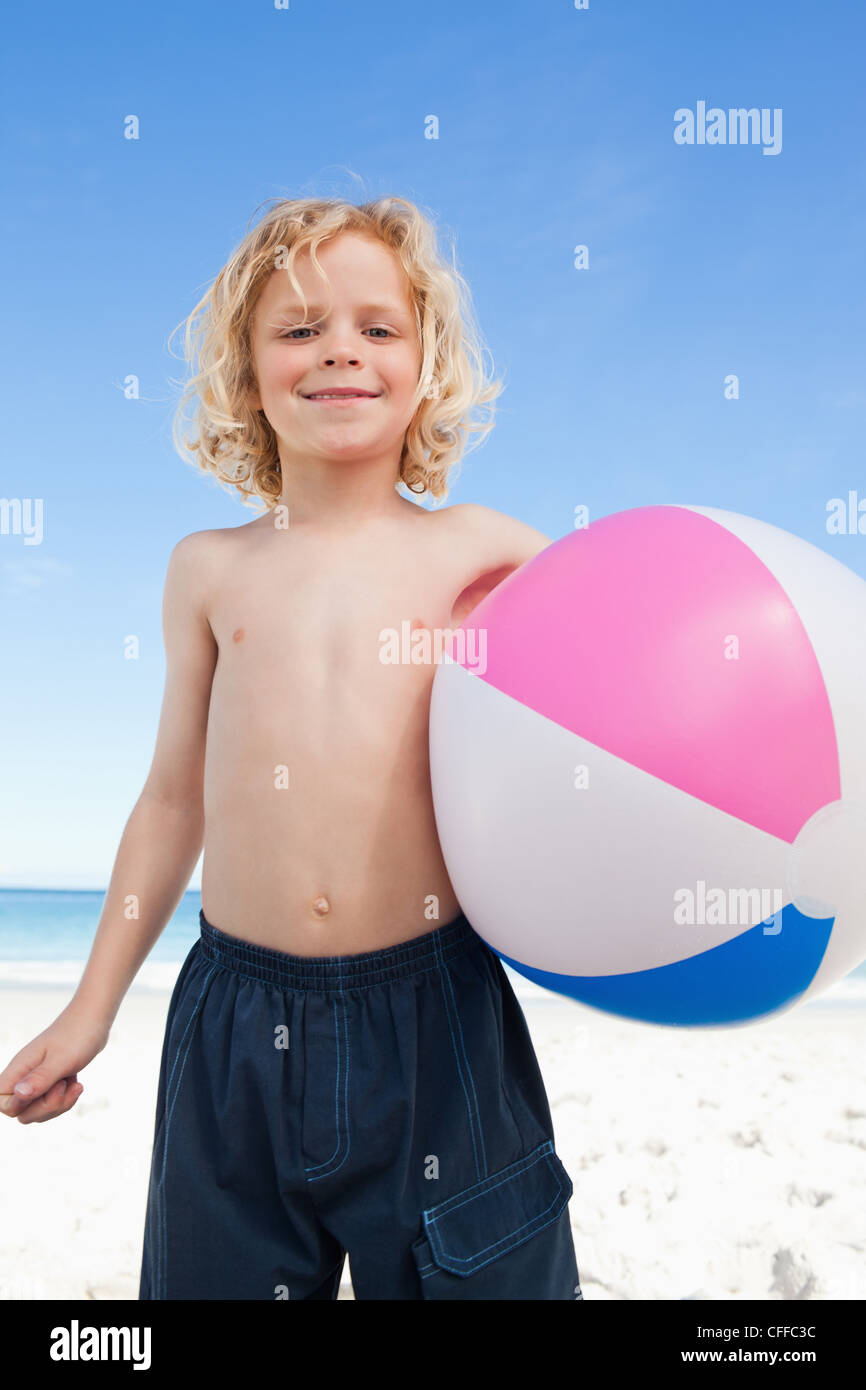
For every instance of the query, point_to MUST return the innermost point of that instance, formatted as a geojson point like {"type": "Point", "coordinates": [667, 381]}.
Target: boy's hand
{"type": "Point", "coordinates": [49, 1066]}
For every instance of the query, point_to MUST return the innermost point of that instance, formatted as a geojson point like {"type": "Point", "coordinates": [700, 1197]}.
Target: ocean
{"type": "Point", "coordinates": [46, 934]}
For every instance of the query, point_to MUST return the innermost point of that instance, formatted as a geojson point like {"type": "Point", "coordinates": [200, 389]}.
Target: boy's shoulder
{"type": "Point", "coordinates": [217, 535]}
{"type": "Point", "coordinates": [499, 538]}
{"type": "Point", "coordinates": [197, 547]}
{"type": "Point", "coordinates": [198, 560]}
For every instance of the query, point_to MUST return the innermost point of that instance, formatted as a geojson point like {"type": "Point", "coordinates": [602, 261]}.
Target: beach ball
{"type": "Point", "coordinates": [648, 762]}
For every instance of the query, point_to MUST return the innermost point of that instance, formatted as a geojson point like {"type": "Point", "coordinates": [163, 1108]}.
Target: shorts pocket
{"type": "Point", "coordinates": [507, 1236]}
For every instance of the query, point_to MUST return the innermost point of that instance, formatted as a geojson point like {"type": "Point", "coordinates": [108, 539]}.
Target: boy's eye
{"type": "Point", "coordinates": [291, 332]}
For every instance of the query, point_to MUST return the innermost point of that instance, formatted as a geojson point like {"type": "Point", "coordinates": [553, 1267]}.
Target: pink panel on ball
{"type": "Point", "coordinates": [619, 632]}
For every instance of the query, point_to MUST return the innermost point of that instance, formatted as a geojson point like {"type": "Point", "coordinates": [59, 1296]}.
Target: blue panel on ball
{"type": "Point", "coordinates": [754, 974]}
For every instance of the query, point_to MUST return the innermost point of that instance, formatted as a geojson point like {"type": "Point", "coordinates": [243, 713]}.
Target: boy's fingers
{"type": "Point", "coordinates": [70, 1096]}
{"type": "Point", "coordinates": [33, 1083]}
{"type": "Point", "coordinates": [73, 1091]}
{"type": "Point", "coordinates": [26, 1065]}
{"type": "Point", "coordinates": [42, 1107]}
{"type": "Point", "coordinates": [51, 1104]}
{"type": "Point", "coordinates": [13, 1102]}
{"type": "Point", "coordinates": [9, 1075]}
{"type": "Point", "coordinates": [14, 1105]}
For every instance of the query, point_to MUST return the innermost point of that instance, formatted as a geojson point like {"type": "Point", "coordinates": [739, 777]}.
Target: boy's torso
{"type": "Point", "coordinates": [320, 837]}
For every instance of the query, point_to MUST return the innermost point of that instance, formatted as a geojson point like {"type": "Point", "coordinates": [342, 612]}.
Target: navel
{"type": "Point", "coordinates": [238, 635]}
{"type": "Point", "coordinates": [321, 906]}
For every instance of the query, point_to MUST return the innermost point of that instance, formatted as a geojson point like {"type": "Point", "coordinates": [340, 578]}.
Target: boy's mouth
{"type": "Point", "coordinates": [342, 393]}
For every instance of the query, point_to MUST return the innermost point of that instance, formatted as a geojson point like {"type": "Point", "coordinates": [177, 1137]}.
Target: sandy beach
{"type": "Point", "coordinates": [723, 1164]}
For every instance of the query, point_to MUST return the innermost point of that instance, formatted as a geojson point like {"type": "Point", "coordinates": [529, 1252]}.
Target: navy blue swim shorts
{"type": "Point", "coordinates": [387, 1105]}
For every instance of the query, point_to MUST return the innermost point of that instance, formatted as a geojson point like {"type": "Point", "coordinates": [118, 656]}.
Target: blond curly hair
{"type": "Point", "coordinates": [236, 443]}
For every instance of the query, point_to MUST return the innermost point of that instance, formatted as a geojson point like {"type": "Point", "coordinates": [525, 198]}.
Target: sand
{"type": "Point", "coordinates": [723, 1164]}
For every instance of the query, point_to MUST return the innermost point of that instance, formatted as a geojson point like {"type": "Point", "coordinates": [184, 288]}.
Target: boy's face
{"type": "Point", "coordinates": [366, 341]}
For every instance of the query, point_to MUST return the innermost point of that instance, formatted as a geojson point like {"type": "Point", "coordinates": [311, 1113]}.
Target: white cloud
{"type": "Point", "coordinates": [22, 576]}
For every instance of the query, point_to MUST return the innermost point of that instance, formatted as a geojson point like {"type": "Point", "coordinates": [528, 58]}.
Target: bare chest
{"type": "Point", "coordinates": [355, 639]}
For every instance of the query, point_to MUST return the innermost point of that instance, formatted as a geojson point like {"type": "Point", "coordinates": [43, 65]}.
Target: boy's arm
{"type": "Point", "coordinates": [158, 851]}
{"type": "Point", "coordinates": [163, 837]}
{"type": "Point", "coordinates": [502, 545]}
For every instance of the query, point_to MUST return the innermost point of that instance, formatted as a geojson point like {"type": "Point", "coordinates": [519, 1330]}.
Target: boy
{"type": "Point", "coordinates": [345, 1066]}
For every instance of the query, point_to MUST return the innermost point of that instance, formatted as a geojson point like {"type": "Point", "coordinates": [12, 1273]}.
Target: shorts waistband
{"type": "Point", "coordinates": [335, 974]}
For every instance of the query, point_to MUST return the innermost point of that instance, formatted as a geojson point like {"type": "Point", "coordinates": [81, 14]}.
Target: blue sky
{"type": "Point", "coordinates": [555, 129]}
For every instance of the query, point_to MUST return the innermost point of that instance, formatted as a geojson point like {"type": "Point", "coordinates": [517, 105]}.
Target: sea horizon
{"type": "Point", "coordinates": [46, 935]}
